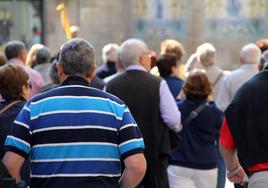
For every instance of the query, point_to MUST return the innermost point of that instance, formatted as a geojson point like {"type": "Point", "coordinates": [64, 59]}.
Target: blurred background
{"type": "Point", "coordinates": [228, 24]}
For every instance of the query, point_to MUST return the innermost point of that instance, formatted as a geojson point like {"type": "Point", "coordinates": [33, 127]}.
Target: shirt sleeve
{"type": "Point", "coordinates": [168, 108]}
{"type": "Point", "coordinates": [226, 138]}
{"type": "Point", "coordinates": [130, 138]}
{"type": "Point", "coordinates": [19, 137]}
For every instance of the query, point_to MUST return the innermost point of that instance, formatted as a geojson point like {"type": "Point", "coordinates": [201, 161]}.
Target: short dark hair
{"type": "Point", "coordinates": [12, 80]}
{"type": "Point", "coordinates": [77, 57]}
{"type": "Point", "coordinates": [197, 85]}
{"type": "Point", "coordinates": [14, 48]}
{"type": "Point", "coordinates": [165, 64]}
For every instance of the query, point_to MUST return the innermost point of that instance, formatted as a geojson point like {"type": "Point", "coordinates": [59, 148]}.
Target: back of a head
{"type": "Point", "coordinates": [12, 80]}
{"type": "Point", "coordinates": [13, 49]}
{"type": "Point", "coordinates": [43, 55]}
{"type": "Point", "coordinates": [130, 52]}
{"type": "Point", "coordinates": [77, 57]}
{"type": "Point", "coordinates": [53, 72]}
{"type": "Point", "coordinates": [262, 44]}
{"type": "Point", "coordinates": [31, 57]}
{"type": "Point", "coordinates": [172, 46]}
{"type": "Point", "coordinates": [110, 53]}
{"type": "Point", "coordinates": [206, 54]}
{"type": "Point", "coordinates": [250, 54]}
{"type": "Point", "coordinates": [197, 85]}
{"type": "Point", "coordinates": [165, 64]}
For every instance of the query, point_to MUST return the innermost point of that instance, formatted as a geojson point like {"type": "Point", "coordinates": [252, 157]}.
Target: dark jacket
{"type": "Point", "coordinates": [6, 119]}
{"type": "Point", "coordinates": [247, 119]}
{"type": "Point", "coordinates": [140, 91]}
{"type": "Point", "coordinates": [174, 84]}
{"type": "Point", "coordinates": [197, 148]}
{"type": "Point", "coordinates": [106, 70]}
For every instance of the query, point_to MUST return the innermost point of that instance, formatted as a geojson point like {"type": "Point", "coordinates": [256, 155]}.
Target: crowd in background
{"type": "Point", "coordinates": [178, 112]}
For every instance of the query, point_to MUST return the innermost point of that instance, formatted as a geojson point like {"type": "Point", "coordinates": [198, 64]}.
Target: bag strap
{"type": "Point", "coordinates": [8, 106]}
{"type": "Point", "coordinates": [217, 79]}
{"type": "Point", "coordinates": [195, 113]}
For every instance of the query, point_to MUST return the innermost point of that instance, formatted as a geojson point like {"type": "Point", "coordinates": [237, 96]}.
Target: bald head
{"type": "Point", "coordinates": [250, 54]}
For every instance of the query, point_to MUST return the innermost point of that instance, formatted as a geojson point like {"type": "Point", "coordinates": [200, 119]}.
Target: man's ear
{"type": "Point", "coordinates": [92, 73]}
{"type": "Point", "coordinates": [22, 56]}
{"type": "Point", "coordinates": [60, 72]}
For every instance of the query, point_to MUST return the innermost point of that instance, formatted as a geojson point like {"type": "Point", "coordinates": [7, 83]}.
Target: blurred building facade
{"type": "Point", "coordinates": [228, 24]}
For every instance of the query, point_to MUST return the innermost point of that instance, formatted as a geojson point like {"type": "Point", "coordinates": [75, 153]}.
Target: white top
{"type": "Point", "coordinates": [232, 82]}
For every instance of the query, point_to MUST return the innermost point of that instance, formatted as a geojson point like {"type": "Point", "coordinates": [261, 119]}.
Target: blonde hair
{"type": "Point", "coordinates": [172, 46]}
{"type": "Point", "coordinates": [32, 54]}
{"type": "Point", "coordinates": [206, 54]}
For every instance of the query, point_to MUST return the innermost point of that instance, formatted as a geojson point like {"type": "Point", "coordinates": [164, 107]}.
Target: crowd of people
{"type": "Point", "coordinates": [138, 120]}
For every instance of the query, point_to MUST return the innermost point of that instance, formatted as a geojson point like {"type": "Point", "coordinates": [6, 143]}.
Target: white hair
{"type": "Point", "coordinates": [130, 52]}
{"type": "Point", "coordinates": [110, 52]}
{"type": "Point", "coordinates": [250, 54]}
{"type": "Point", "coordinates": [206, 54]}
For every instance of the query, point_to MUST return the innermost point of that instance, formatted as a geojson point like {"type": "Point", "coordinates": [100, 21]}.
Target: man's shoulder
{"type": "Point", "coordinates": [76, 91]}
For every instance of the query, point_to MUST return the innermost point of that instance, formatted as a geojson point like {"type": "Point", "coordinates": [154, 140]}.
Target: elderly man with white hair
{"type": "Point", "coordinates": [250, 56]}
{"type": "Point", "coordinates": [205, 58]}
{"type": "Point", "coordinates": [152, 105]}
{"type": "Point", "coordinates": [109, 58]}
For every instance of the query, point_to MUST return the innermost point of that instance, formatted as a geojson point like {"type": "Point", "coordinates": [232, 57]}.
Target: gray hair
{"type": "Point", "coordinates": [110, 52]}
{"type": "Point", "coordinates": [130, 52]}
{"type": "Point", "coordinates": [250, 54]}
{"type": "Point", "coordinates": [53, 72]}
{"type": "Point", "coordinates": [206, 54]}
{"type": "Point", "coordinates": [77, 57]}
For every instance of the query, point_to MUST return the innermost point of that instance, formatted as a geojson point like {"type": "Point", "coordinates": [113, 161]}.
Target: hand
{"type": "Point", "coordinates": [237, 175]}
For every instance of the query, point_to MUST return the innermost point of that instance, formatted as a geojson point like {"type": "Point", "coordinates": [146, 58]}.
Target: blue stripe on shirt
{"type": "Point", "coordinates": [75, 151]}
{"type": "Point", "coordinates": [76, 167]}
{"type": "Point", "coordinates": [11, 141]}
{"type": "Point", "coordinates": [77, 119]}
{"type": "Point", "coordinates": [131, 145]}
{"type": "Point", "coordinates": [61, 104]}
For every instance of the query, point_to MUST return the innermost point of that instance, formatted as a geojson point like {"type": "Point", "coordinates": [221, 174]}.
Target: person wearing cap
{"type": "Point", "coordinates": [43, 62]}
{"type": "Point", "coordinates": [76, 135]}
{"type": "Point", "coordinates": [109, 58]}
{"type": "Point", "coordinates": [152, 105]}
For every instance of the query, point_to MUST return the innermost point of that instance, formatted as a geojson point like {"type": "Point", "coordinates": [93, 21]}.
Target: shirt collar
{"type": "Point", "coordinates": [136, 67]}
{"type": "Point", "coordinates": [75, 80]}
{"type": "Point", "coordinates": [15, 61]}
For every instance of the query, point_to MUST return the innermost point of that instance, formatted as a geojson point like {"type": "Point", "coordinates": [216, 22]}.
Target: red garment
{"type": "Point", "coordinates": [227, 140]}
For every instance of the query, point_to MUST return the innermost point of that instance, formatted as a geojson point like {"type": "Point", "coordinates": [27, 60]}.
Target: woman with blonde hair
{"type": "Point", "coordinates": [31, 57]}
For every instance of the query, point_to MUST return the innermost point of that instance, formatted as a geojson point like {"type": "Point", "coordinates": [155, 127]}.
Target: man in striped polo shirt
{"type": "Point", "coordinates": [76, 136]}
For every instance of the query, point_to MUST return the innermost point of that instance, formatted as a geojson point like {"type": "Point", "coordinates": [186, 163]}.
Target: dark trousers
{"type": "Point", "coordinates": [156, 174]}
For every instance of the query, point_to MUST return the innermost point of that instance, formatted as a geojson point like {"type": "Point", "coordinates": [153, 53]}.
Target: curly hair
{"type": "Point", "coordinates": [172, 46]}
{"type": "Point", "coordinates": [12, 80]}
{"type": "Point", "coordinates": [197, 85]}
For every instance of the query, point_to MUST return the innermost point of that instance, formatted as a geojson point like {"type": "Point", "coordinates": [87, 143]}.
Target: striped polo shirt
{"type": "Point", "coordinates": [75, 136]}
